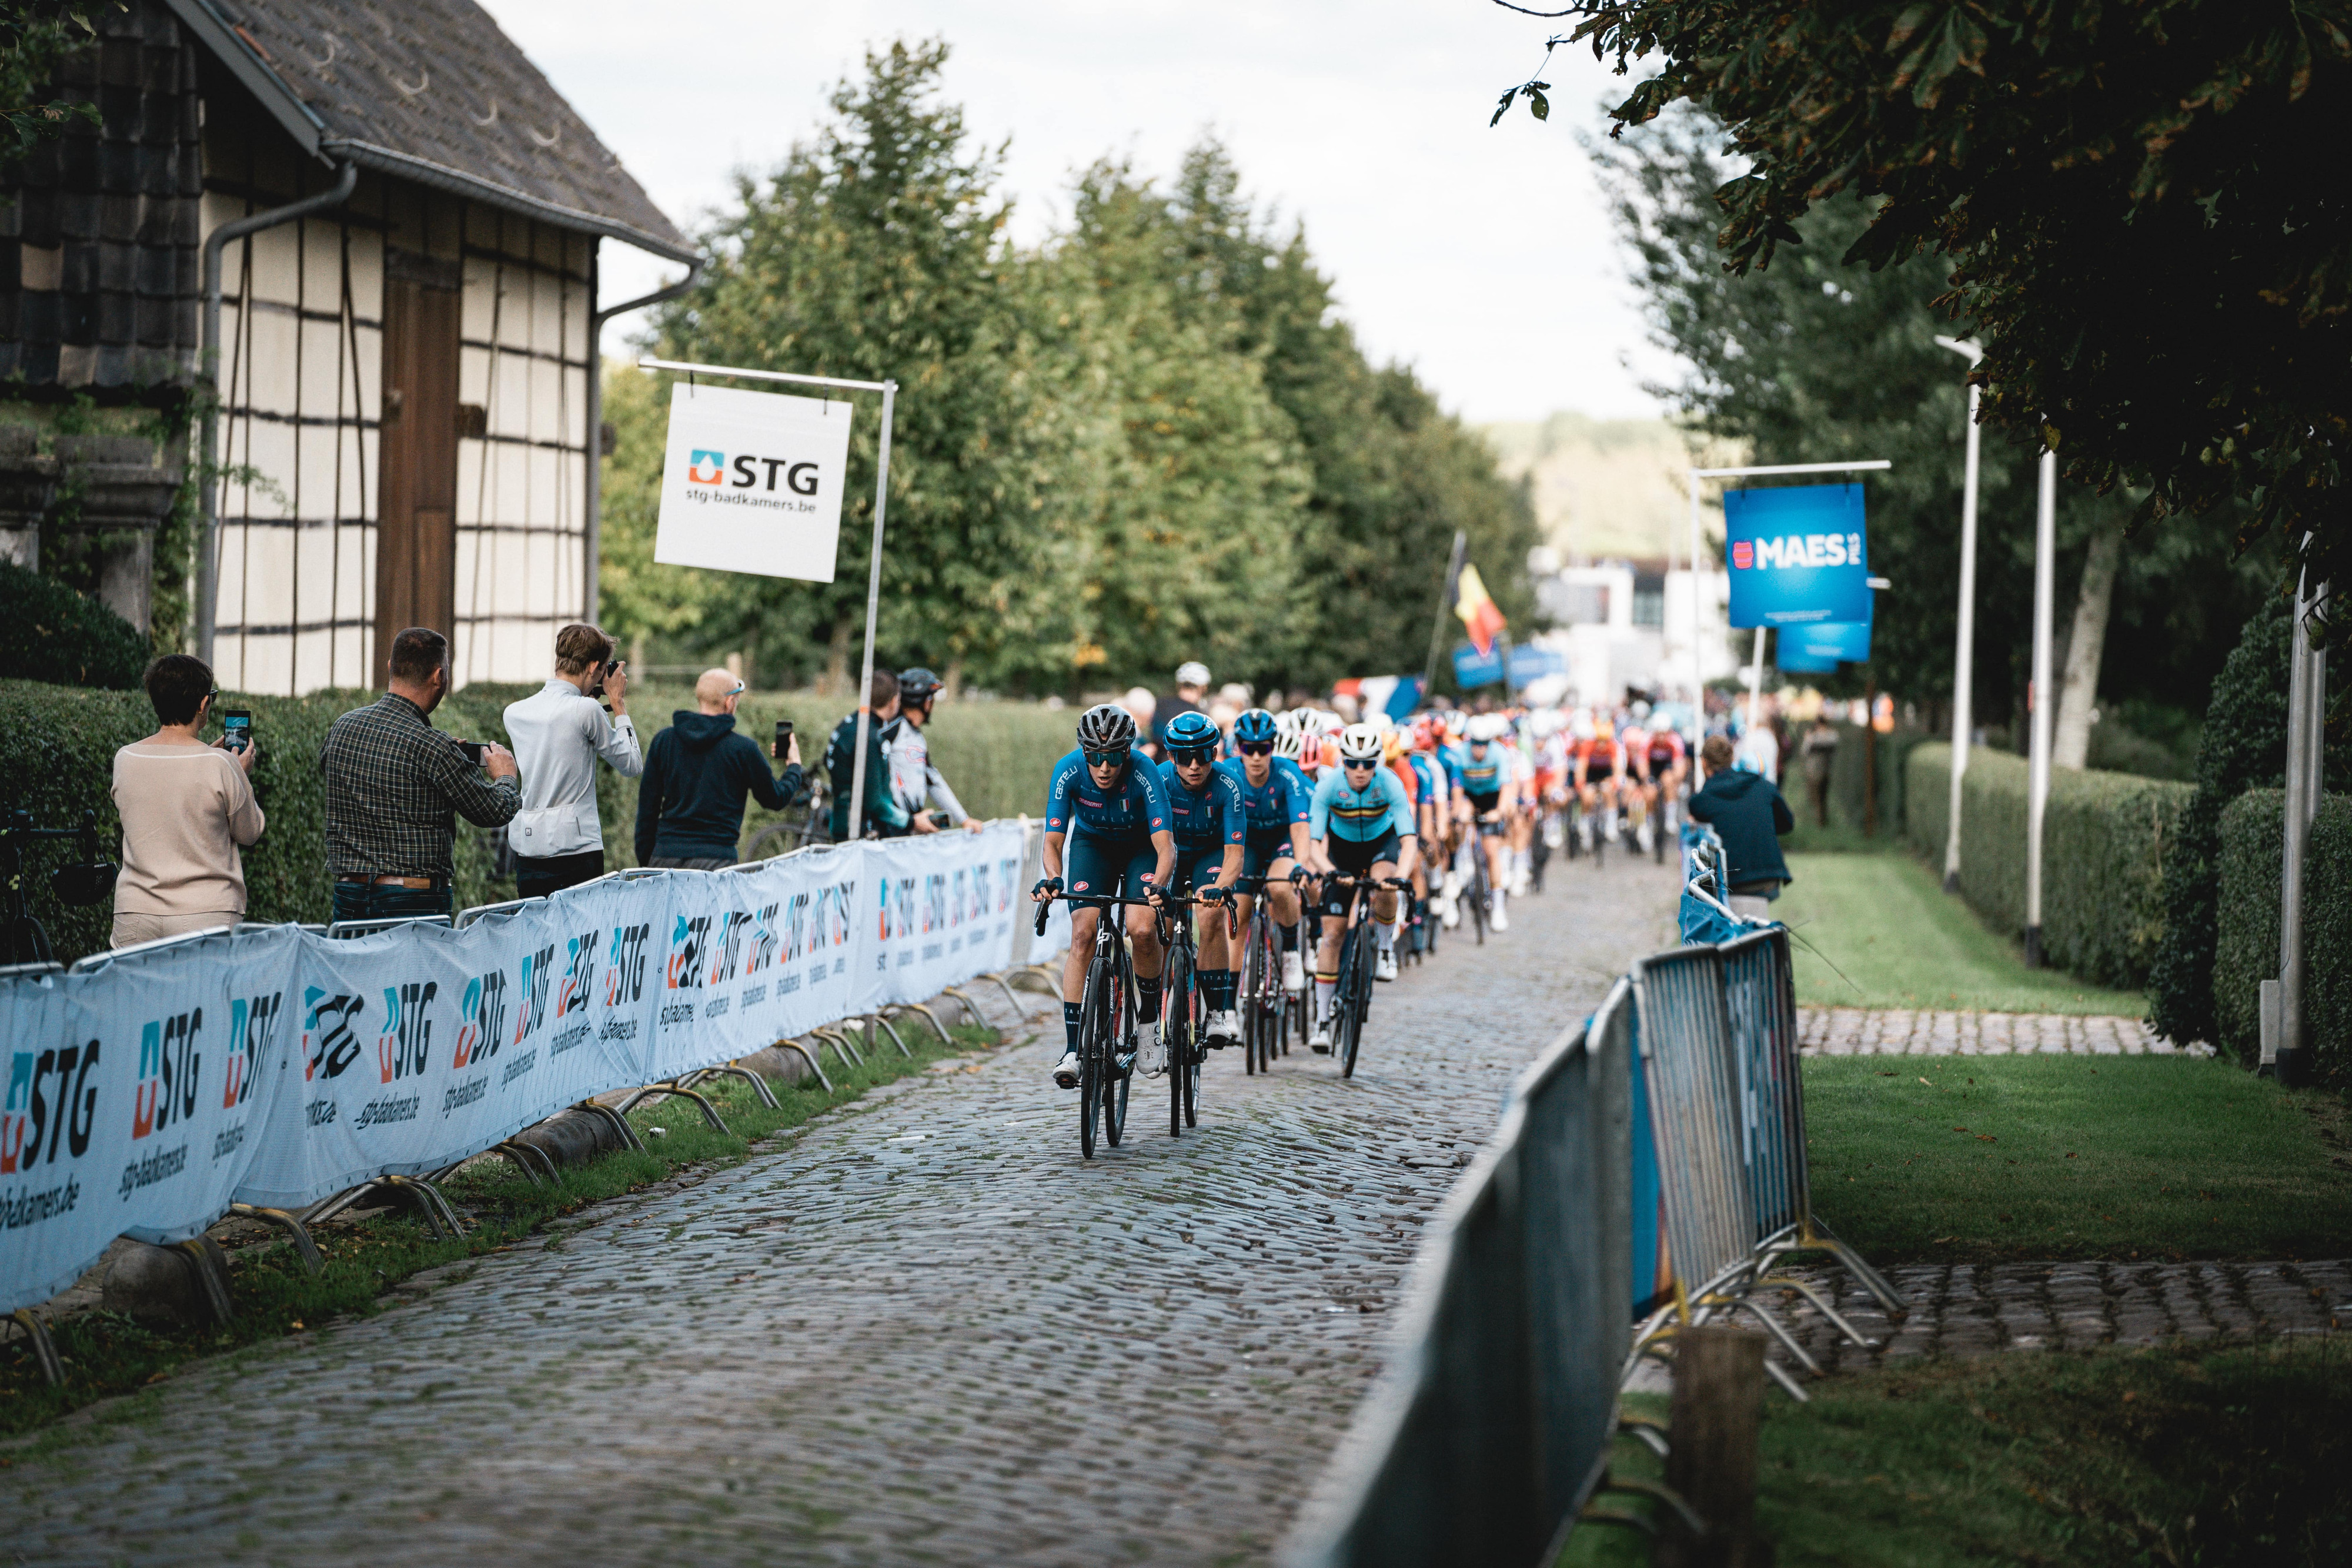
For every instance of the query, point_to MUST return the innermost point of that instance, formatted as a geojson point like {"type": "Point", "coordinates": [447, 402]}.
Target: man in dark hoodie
{"type": "Point", "coordinates": [1749, 815]}
{"type": "Point", "coordinates": [690, 804]}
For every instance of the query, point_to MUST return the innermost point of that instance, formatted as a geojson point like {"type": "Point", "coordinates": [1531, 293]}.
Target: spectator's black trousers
{"type": "Point", "coordinates": [536, 877]}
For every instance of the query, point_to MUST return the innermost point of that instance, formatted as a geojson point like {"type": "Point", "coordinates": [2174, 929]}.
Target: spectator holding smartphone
{"type": "Point", "coordinates": [698, 771]}
{"type": "Point", "coordinates": [187, 808]}
{"type": "Point", "coordinates": [395, 786]}
{"type": "Point", "coordinates": [559, 732]}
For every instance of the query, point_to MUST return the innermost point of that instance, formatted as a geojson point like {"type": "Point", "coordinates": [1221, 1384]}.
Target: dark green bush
{"type": "Point", "coordinates": [49, 632]}
{"type": "Point", "coordinates": [2105, 838]}
{"type": "Point", "coordinates": [1849, 781]}
{"type": "Point", "coordinates": [2246, 938]}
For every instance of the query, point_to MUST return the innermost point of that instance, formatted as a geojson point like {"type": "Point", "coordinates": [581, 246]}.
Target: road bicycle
{"type": "Point", "coordinates": [1183, 1009]}
{"type": "Point", "coordinates": [1352, 1002]}
{"type": "Point", "coordinates": [1263, 1004]}
{"type": "Point", "coordinates": [1106, 1018]}
{"type": "Point", "coordinates": [1478, 890]}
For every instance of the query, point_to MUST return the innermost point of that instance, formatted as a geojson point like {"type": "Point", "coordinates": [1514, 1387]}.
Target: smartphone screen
{"type": "Point", "coordinates": [473, 750]}
{"type": "Point", "coordinates": [783, 735]}
{"type": "Point", "coordinates": [237, 729]}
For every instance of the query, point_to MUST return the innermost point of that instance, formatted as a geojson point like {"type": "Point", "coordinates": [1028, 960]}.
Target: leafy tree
{"type": "Point", "coordinates": [2124, 192]}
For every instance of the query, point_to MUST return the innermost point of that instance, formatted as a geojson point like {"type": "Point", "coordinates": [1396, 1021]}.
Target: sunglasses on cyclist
{"type": "Point", "coordinates": [1108, 758]}
{"type": "Point", "coordinates": [1358, 764]}
{"type": "Point", "coordinates": [1193, 756]}
{"type": "Point", "coordinates": [1258, 749]}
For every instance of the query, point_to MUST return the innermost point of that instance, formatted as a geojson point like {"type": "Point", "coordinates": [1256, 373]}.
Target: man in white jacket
{"type": "Point", "coordinates": [558, 734]}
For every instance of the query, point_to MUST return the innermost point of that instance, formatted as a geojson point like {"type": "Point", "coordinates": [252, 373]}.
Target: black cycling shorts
{"type": "Point", "coordinates": [1354, 856]}
{"type": "Point", "coordinates": [1197, 865]}
{"type": "Point", "coordinates": [1260, 850]}
{"type": "Point", "coordinates": [1106, 868]}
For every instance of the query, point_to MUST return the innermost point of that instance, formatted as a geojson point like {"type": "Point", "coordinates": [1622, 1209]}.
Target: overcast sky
{"type": "Point", "coordinates": [1483, 258]}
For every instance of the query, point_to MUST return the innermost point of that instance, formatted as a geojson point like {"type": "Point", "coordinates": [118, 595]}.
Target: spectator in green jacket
{"type": "Point", "coordinates": [883, 815]}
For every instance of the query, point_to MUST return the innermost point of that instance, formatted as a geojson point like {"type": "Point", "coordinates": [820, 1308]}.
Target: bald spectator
{"type": "Point", "coordinates": [697, 772]}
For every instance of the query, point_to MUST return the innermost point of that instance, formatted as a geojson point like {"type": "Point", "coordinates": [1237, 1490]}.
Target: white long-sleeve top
{"type": "Point", "coordinates": [558, 734]}
{"type": "Point", "coordinates": [913, 780]}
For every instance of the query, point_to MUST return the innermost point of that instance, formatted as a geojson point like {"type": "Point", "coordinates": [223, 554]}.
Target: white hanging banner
{"type": "Point", "coordinates": [751, 482]}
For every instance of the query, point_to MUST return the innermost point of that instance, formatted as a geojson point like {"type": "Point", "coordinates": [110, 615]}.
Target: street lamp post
{"type": "Point", "coordinates": [2037, 789]}
{"type": "Point", "coordinates": [1964, 651]}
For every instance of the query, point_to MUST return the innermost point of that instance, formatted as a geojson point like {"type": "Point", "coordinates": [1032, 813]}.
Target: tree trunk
{"type": "Point", "coordinates": [836, 660]}
{"type": "Point", "coordinates": [952, 688]}
{"type": "Point", "coordinates": [2070, 744]}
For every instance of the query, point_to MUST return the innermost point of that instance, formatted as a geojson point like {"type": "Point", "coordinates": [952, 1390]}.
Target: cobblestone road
{"type": "Point", "coordinates": [1857, 1032]}
{"type": "Point", "coordinates": [923, 1331]}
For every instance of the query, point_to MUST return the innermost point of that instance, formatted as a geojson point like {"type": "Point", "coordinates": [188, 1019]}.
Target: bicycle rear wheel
{"type": "Point", "coordinates": [1250, 995]}
{"type": "Point", "coordinates": [1114, 1104]}
{"type": "Point", "coordinates": [1360, 978]}
{"type": "Point", "coordinates": [1477, 891]}
{"type": "Point", "coordinates": [1098, 1036]}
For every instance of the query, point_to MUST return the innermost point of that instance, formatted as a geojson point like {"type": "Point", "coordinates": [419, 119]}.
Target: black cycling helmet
{"type": "Point", "coordinates": [1106, 727]}
{"type": "Point", "coordinates": [918, 684]}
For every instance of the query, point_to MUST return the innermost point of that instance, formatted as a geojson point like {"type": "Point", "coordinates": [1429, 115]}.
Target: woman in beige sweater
{"type": "Point", "coordinates": [187, 808]}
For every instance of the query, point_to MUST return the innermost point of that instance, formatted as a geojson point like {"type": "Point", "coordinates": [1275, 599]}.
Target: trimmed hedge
{"type": "Point", "coordinates": [2104, 841]}
{"type": "Point", "coordinates": [2246, 941]}
{"type": "Point", "coordinates": [49, 632]}
{"type": "Point", "coordinates": [58, 746]}
{"type": "Point", "coordinates": [1847, 784]}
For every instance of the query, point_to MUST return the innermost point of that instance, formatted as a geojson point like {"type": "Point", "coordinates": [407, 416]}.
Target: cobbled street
{"type": "Point", "coordinates": [919, 1330]}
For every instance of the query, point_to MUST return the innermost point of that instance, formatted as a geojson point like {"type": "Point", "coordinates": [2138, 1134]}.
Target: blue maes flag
{"type": "Point", "coordinates": [1800, 554]}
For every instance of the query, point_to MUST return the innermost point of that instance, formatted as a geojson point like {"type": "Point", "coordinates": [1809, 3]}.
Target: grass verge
{"type": "Point", "coordinates": [1876, 930]}
{"type": "Point", "coordinates": [1981, 1159]}
{"type": "Point", "coordinates": [107, 1353]}
{"type": "Point", "coordinates": [2212, 1454]}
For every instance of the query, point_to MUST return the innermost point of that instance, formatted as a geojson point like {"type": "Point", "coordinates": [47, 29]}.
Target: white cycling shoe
{"type": "Point", "coordinates": [1496, 921]}
{"type": "Point", "coordinates": [1151, 1051]}
{"type": "Point", "coordinates": [1294, 972]}
{"type": "Point", "coordinates": [1066, 1071]}
{"type": "Point", "coordinates": [1520, 881]}
{"type": "Point", "coordinates": [1384, 965]}
{"type": "Point", "coordinates": [1224, 1027]}
{"type": "Point", "coordinates": [1319, 1042]}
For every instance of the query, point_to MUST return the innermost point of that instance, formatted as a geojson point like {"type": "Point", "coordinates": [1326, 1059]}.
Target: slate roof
{"type": "Point", "coordinates": [430, 91]}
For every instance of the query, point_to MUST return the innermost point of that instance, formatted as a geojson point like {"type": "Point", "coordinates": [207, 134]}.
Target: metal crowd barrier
{"type": "Point", "coordinates": [1494, 1423]}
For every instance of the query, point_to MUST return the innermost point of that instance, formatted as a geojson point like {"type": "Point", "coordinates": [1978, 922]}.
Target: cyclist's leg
{"type": "Point", "coordinates": [1142, 931]}
{"type": "Point", "coordinates": [1086, 868]}
{"type": "Point", "coordinates": [1270, 857]}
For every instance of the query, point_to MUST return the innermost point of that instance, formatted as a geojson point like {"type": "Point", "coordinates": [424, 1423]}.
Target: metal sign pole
{"type": "Point", "coordinates": [2037, 777]}
{"type": "Point", "coordinates": [889, 391]}
{"type": "Point", "coordinates": [1964, 645]}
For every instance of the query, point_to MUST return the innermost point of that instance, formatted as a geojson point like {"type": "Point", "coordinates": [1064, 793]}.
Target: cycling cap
{"type": "Point", "coordinates": [1192, 732]}
{"type": "Point", "coordinates": [1256, 726]}
{"type": "Point", "coordinates": [918, 683]}
{"type": "Point", "coordinates": [1360, 743]}
{"type": "Point", "coordinates": [1192, 672]}
{"type": "Point", "coordinates": [1106, 727]}
{"type": "Point", "coordinates": [1488, 726]}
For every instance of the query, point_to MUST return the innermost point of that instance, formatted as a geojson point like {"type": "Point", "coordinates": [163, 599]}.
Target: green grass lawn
{"type": "Point", "coordinates": [2215, 1456]}
{"type": "Point", "coordinates": [1876, 930]}
{"type": "Point", "coordinates": [1982, 1158]}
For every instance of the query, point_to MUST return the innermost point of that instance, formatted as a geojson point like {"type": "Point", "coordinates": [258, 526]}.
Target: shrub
{"type": "Point", "coordinates": [2104, 838]}
{"type": "Point", "coordinates": [49, 632]}
{"type": "Point", "coordinates": [1848, 779]}
{"type": "Point", "coordinates": [2246, 937]}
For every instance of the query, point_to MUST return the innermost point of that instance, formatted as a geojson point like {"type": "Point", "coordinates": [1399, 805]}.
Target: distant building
{"type": "Point", "coordinates": [405, 394]}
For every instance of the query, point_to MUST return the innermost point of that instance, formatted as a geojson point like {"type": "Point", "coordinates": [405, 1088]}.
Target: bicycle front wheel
{"type": "Point", "coordinates": [1178, 1032]}
{"type": "Point", "coordinates": [1114, 1102]}
{"type": "Point", "coordinates": [1360, 980]}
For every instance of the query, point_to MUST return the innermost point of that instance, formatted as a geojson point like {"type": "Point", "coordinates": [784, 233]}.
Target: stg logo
{"type": "Point", "coordinates": [328, 1046]}
{"type": "Point", "coordinates": [481, 1017]}
{"type": "Point", "coordinates": [538, 970]}
{"type": "Point", "coordinates": [728, 949]}
{"type": "Point", "coordinates": [407, 1039]}
{"type": "Point", "coordinates": [251, 1026]}
{"type": "Point", "coordinates": [580, 979]}
{"type": "Point", "coordinates": [706, 467]}
{"type": "Point", "coordinates": [763, 940]}
{"type": "Point", "coordinates": [625, 965]}
{"type": "Point", "coordinates": [168, 1063]}
{"type": "Point", "coordinates": [50, 1094]}
{"type": "Point", "coordinates": [686, 947]}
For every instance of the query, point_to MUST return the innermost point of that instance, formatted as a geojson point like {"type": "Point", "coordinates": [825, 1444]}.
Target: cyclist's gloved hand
{"type": "Point", "coordinates": [1047, 887]}
{"type": "Point", "coordinates": [1150, 889]}
{"type": "Point", "coordinates": [1215, 895]}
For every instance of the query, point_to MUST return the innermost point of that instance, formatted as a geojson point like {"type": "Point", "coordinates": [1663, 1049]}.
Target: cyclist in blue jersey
{"type": "Point", "coordinates": [1433, 807]}
{"type": "Point", "coordinates": [1360, 823]}
{"type": "Point", "coordinates": [1211, 823]}
{"type": "Point", "coordinates": [1488, 774]}
{"type": "Point", "coordinates": [1278, 800]}
{"type": "Point", "coordinates": [1113, 814]}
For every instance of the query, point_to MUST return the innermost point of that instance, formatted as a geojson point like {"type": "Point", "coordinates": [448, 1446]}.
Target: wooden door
{"type": "Point", "coordinates": [416, 535]}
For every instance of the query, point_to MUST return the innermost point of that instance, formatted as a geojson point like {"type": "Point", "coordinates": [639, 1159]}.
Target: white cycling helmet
{"type": "Point", "coordinates": [1488, 726]}
{"type": "Point", "coordinates": [1288, 742]}
{"type": "Point", "coordinates": [1360, 743]}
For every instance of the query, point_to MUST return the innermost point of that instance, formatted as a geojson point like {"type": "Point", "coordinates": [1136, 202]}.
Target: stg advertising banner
{"type": "Point", "coordinates": [1798, 553]}
{"type": "Point", "coordinates": [275, 1067]}
{"type": "Point", "coordinates": [751, 482]}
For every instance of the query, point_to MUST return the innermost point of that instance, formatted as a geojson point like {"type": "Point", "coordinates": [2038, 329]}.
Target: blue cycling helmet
{"type": "Point", "coordinates": [1255, 726]}
{"type": "Point", "coordinates": [1192, 732]}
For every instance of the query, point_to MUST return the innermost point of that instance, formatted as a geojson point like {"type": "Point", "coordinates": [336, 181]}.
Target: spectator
{"type": "Point", "coordinates": [881, 815]}
{"type": "Point", "coordinates": [1192, 685]}
{"type": "Point", "coordinates": [558, 734]}
{"type": "Point", "coordinates": [395, 786]}
{"type": "Point", "coordinates": [697, 772]}
{"type": "Point", "coordinates": [1759, 749]}
{"type": "Point", "coordinates": [1749, 815]}
{"type": "Point", "coordinates": [186, 810]}
{"type": "Point", "coordinates": [914, 782]}
{"type": "Point", "coordinates": [1820, 751]}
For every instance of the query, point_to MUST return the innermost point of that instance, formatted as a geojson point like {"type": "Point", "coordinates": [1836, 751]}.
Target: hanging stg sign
{"type": "Point", "coordinates": [751, 482]}
{"type": "Point", "coordinates": [1798, 553]}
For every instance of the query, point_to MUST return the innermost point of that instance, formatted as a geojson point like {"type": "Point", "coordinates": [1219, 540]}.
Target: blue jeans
{"type": "Point", "coordinates": [373, 901]}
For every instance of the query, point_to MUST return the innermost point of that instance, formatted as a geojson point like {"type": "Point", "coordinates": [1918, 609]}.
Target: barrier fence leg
{"type": "Point", "coordinates": [620, 1123]}
{"type": "Point", "coordinates": [304, 1247]}
{"type": "Point", "coordinates": [1822, 1305]}
{"type": "Point", "coordinates": [973, 1007]}
{"type": "Point", "coordinates": [891, 1030]}
{"type": "Point", "coordinates": [44, 1349]}
{"type": "Point", "coordinates": [1018, 1012]}
{"type": "Point", "coordinates": [512, 1153]}
{"type": "Point", "coordinates": [945, 1038]}
{"type": "Point", "coordinates": [210, 1283]}
{"type": "Point", "coordinates": [1718, 1406]}
{"type": "Point", "coordinates": [808, 1056]}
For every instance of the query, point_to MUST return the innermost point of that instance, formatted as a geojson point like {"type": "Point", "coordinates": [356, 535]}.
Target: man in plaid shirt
{"type": "Point", "coordinates": [395, 786]}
